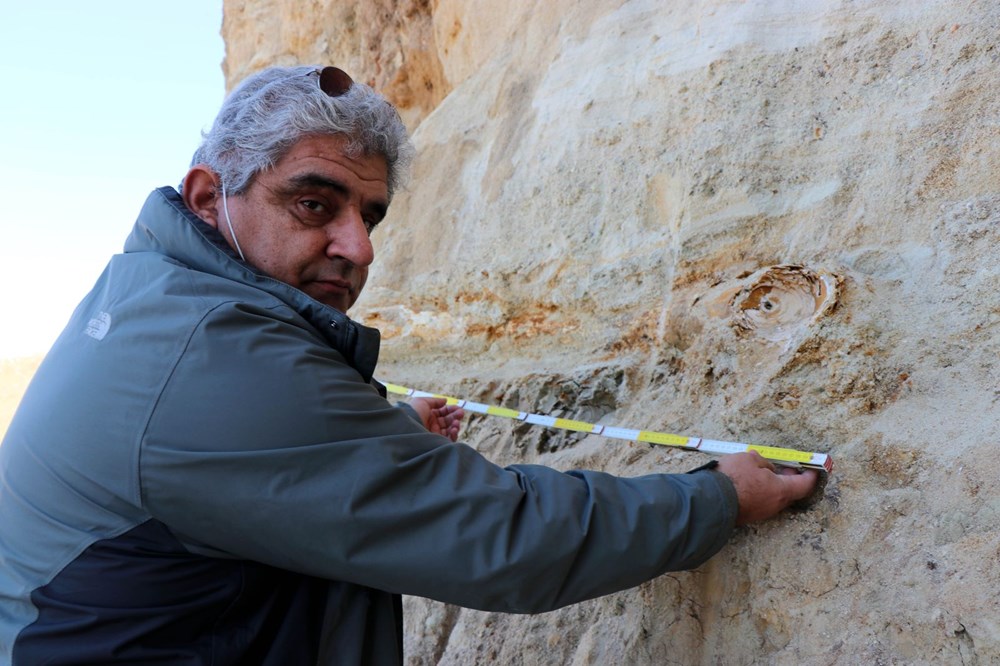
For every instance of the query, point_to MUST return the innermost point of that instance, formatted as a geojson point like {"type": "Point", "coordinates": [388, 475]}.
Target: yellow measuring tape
{"type": "Point", "coordinates": [790, 457]}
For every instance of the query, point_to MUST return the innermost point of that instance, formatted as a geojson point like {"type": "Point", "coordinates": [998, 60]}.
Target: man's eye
{"type": "Point", "coordinates": [313, 205]}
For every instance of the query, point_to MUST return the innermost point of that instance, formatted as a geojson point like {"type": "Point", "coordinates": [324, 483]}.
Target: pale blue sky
{"type": "Point", "coordinates": [101, 102]}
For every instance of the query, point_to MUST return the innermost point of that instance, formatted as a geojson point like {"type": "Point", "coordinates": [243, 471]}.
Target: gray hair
{"type": "Point", "coordinates": [274, 109]}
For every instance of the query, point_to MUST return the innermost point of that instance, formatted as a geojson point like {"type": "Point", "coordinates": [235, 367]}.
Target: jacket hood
{"type": "Point", "coordinates": [166, 226]}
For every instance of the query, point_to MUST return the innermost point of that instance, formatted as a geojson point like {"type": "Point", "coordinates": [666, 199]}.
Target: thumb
{"type": "Point", "coordinates": [799, 486]}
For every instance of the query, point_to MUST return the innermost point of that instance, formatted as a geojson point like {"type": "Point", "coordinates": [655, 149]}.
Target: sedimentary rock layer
{"type": "Point", "coordinates": [773, 222]}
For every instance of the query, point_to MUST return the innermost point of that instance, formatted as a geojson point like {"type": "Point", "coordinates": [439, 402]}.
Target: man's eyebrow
{"type": "Point", "coordinates": [304, 180]}
{"type": "Point", "coordinates": [315, 180]}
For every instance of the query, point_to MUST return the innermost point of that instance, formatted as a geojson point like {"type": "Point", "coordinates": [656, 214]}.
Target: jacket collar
{"type": "Point", "coordinates": [166, 226]}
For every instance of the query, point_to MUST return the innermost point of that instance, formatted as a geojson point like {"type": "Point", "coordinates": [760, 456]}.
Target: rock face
{"type": "Point", "coordinates": [386, 43]}
{"type": "Point", "coordinates": [773, 222]}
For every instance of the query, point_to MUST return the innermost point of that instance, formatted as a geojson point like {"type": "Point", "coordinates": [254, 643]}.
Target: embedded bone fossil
{"type": "Point", "coordinates": [776, 301]}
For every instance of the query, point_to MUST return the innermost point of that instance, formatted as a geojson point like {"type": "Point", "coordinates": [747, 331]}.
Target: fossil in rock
{"type": "Point", "coordinates": [776, 301]}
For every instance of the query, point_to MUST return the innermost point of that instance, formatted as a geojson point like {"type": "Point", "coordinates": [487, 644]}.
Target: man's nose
{"type": "Point", "coordinates": [348, 238]}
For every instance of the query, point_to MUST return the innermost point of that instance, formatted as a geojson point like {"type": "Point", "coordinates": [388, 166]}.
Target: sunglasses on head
{"type": "Point", "coordinates": [334, 81]}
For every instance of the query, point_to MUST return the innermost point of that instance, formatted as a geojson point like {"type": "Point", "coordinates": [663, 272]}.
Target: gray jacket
{"type": "Point", "coordinates": [201, 468]}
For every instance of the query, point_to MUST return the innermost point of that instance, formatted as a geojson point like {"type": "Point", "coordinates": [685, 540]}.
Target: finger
{"type": "Point", "coordinates": [800, 486]}
{"type": "Point", "coordinates": [451, 420]}
{"type": "Point", "coordinates": [761, 461]}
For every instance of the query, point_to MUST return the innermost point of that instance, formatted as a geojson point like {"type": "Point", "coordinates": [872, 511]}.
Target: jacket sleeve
{"type": "Point", "coordinates": [266, 445]}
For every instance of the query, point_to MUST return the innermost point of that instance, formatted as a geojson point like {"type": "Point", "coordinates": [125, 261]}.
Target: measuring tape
{"type": "Point", "coordinates": [787, 457]}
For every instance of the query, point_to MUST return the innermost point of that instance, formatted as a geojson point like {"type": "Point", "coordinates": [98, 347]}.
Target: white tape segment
{"type": "Point", "coordinates": [788, 457]}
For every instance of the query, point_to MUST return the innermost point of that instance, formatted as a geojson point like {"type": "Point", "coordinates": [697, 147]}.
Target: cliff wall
{"type": "Point", "coordinates": [772, 222]}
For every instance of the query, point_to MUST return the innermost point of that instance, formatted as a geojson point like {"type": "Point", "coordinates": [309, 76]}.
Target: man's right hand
{"type": "Point", "coordinates": [762, 489]}
{"type": "Point", "coordinates": [438, 416]}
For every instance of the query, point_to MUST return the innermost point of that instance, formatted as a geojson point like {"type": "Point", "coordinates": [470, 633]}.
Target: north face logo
{"type": "Point", "coordinates": [98, 327]}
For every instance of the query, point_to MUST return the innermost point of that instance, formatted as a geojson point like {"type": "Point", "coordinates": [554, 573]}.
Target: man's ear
{"type": "Point", "coordinates": [201, 193]}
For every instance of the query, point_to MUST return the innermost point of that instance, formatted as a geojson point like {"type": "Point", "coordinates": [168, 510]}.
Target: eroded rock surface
{"type": "Point", "coordinates": [773, 222]}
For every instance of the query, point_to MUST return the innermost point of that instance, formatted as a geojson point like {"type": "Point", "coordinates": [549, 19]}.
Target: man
{"type": "Point", "coordinates": [203, 470]}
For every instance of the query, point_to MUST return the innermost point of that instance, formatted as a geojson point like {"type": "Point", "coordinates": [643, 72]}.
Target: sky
{"type": "Point", "coordinates": [101, 102]}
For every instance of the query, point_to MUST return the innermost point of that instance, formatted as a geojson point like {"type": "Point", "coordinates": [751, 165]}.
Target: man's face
{"type": "Point", "coordinates": [306, 222]}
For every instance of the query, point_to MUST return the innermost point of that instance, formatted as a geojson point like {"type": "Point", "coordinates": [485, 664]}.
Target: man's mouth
{"type": "Point", "coordinates": [339, 283]}
{"type": "Point", "coordinates": [336, 292]}
{"type": "Point", "coordinates": [333, 286]}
